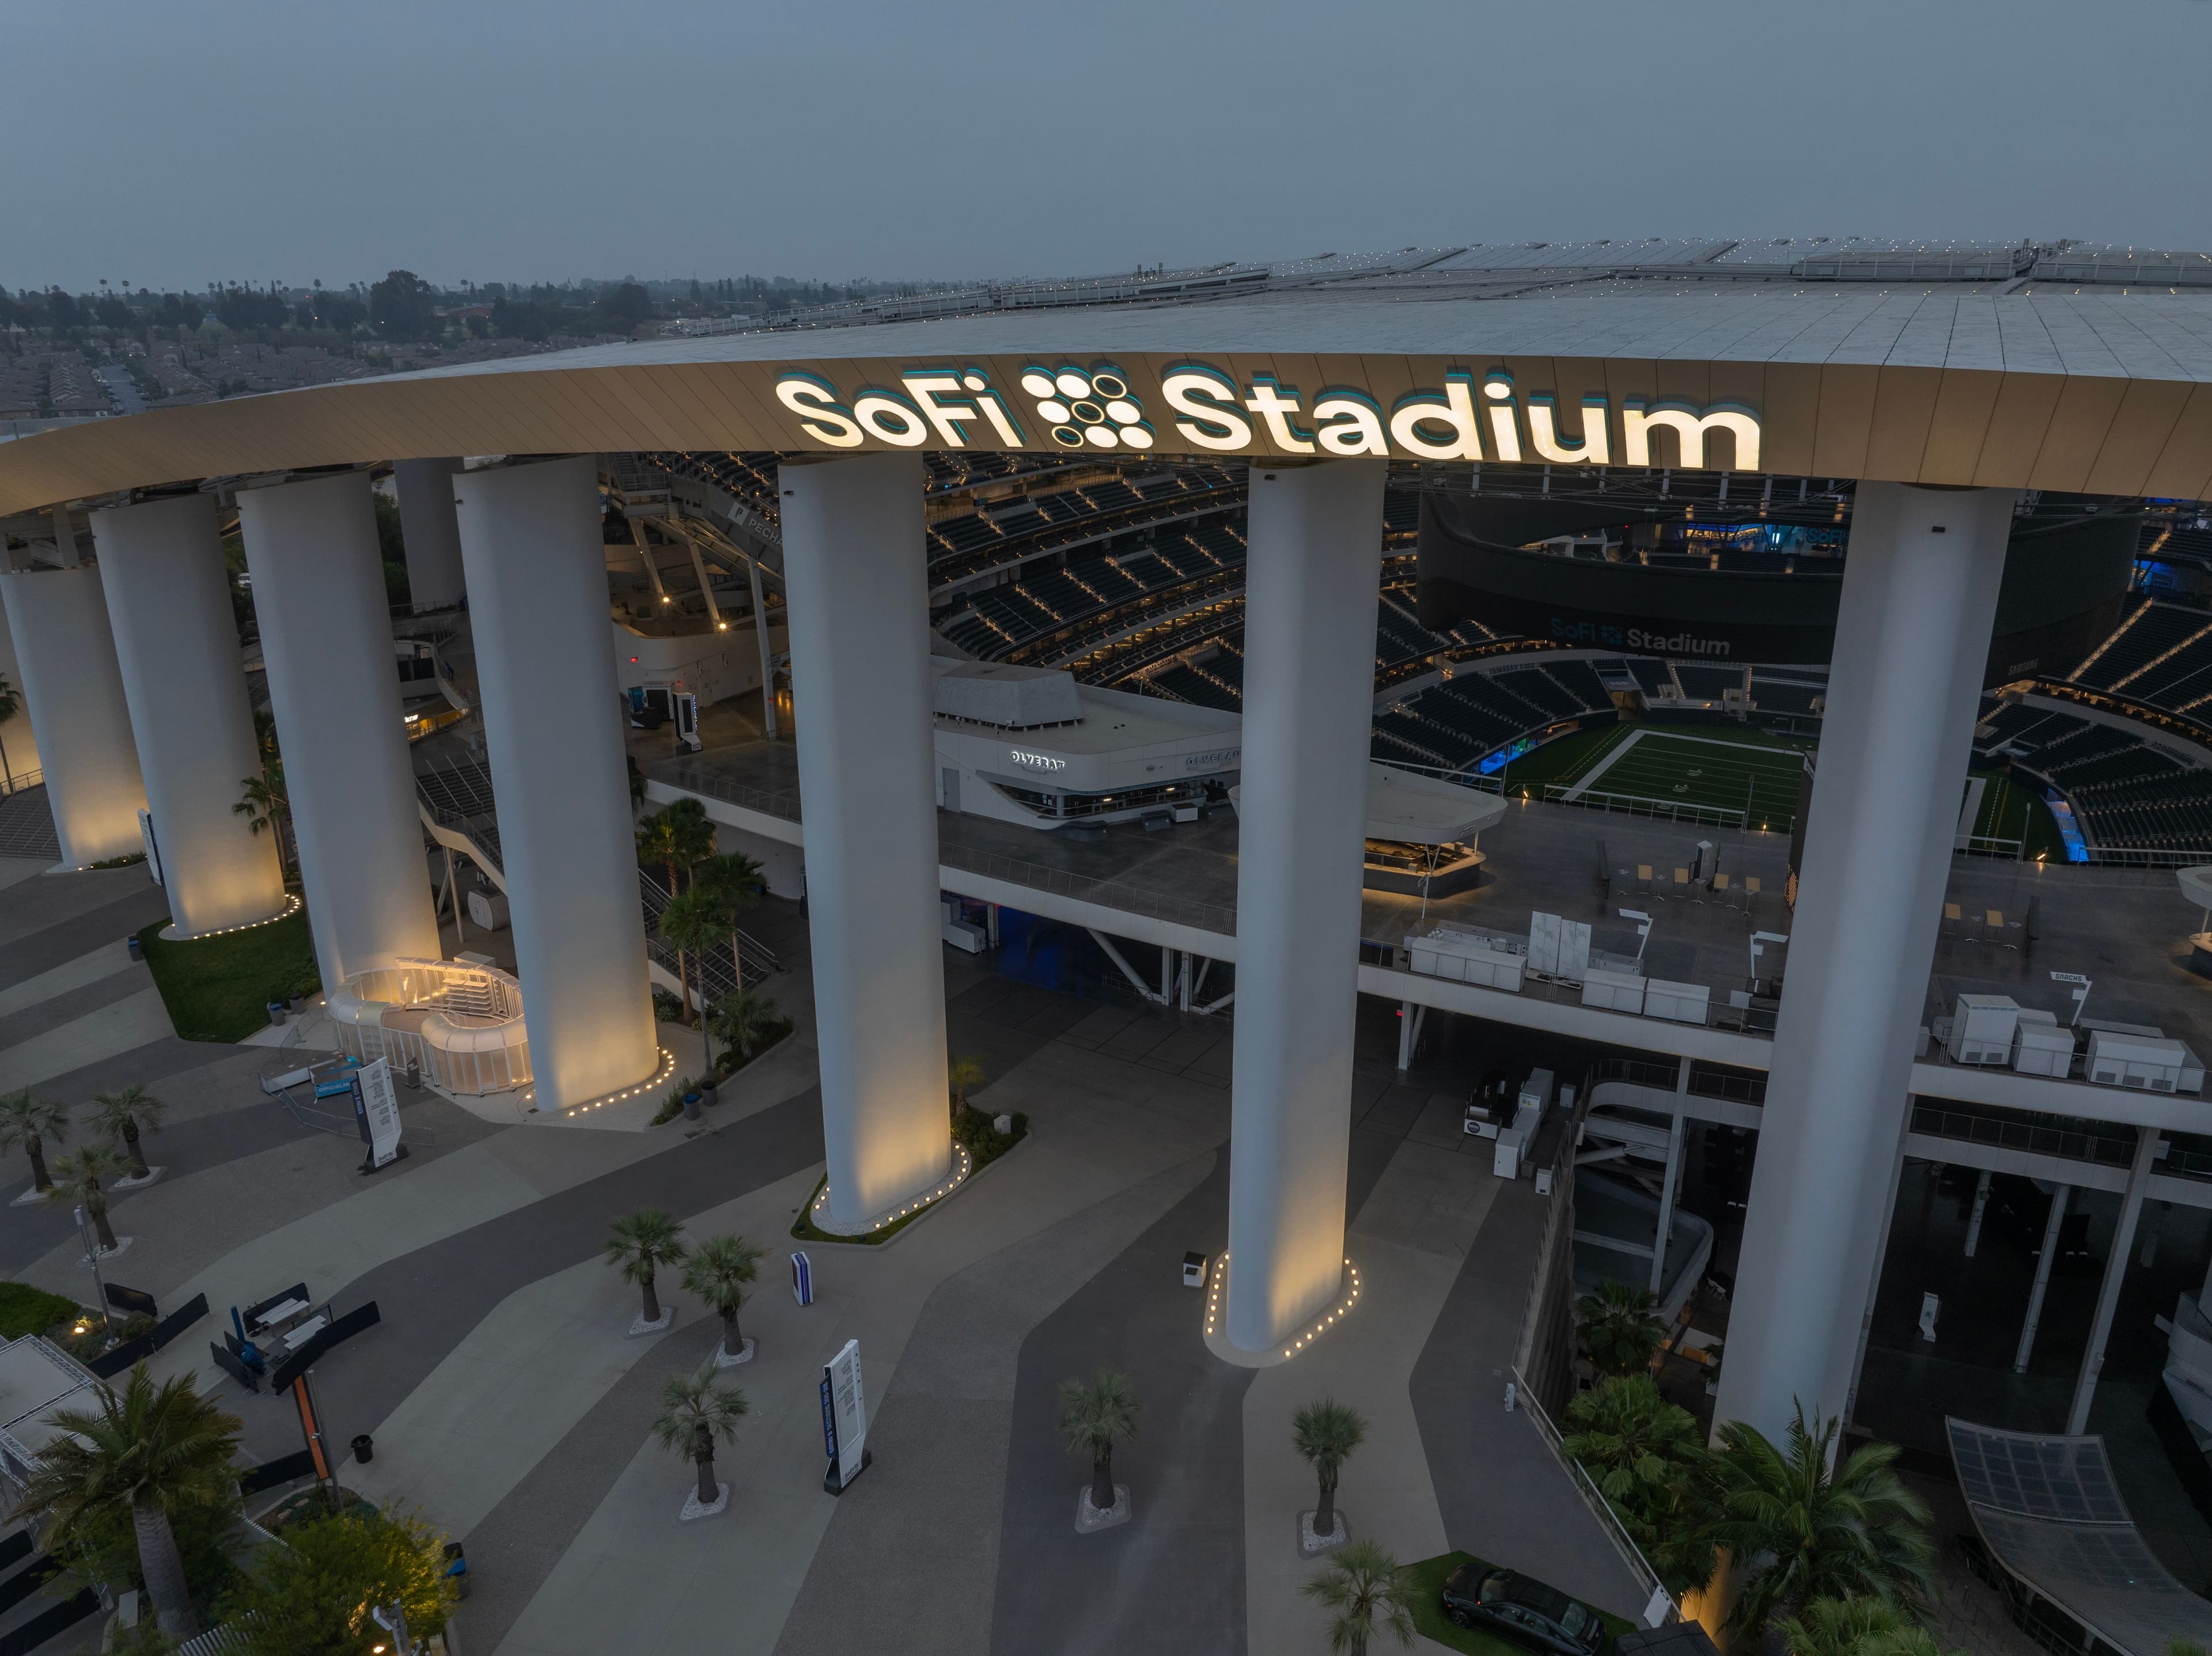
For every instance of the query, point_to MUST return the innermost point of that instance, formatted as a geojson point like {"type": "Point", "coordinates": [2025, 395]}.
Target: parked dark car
{"type": "Point", "coordinates": [1524, 1610]}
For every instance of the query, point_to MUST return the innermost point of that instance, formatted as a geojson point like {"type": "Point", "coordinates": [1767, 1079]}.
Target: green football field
{"type": "Point", "coordinates": [1729, 771]}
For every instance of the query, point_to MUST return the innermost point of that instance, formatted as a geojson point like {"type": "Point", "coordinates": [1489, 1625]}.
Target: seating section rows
{"type": "Point", "coordinates": [2161, 653]}
{"type": "Point", "coordinates": [2125, 794]}
{"type": "Point", "coordinates": [1457, 722]}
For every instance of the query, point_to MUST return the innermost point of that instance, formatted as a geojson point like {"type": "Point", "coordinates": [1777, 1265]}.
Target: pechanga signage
{"type": "Point", "coordinates": [1203, 408]}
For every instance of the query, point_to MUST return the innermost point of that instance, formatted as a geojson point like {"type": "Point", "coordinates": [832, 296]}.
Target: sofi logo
{"type": "Point", "coordinates": [1098, 406]}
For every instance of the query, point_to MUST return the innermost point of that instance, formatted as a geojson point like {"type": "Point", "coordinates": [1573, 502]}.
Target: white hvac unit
{"type": "Point", "coordinates": [488, 910]}
{"type": "Point", "coordinates": [1616, 992]}
{"type": "Point", "coordinates": [1679, 1003]}
{"type": "Point", "coordinates": [1558, 947]}
{"type": "Point", "coordinates": [2041, 1047]}
{"type": "Point", "coordinates": [2142, 1062]}
{"type": "Point", "coordinates": [1982, 1028]}
{"type": "Point", "coordinates": [1467, 956]}
{"type": "Point", "coordinates": [1513, 1142]}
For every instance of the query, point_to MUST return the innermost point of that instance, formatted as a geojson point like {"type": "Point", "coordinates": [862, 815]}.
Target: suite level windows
{"type": "Point", "coordinates": [1465, 414]}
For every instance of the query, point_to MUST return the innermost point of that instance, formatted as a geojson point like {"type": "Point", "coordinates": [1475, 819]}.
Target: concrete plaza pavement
{"type": "Point", "coordinates": [511, 1407]}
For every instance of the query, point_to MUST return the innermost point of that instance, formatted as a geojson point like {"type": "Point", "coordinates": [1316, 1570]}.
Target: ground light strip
{"type": "Point", "coordinates": [1327, 1319]}
{"type": "Point", "coordinates": [291, 907]}
{"type": "Point", "coordinates": [959, 1177]}
{"type": "Point", "coordinates": [667, 1068]}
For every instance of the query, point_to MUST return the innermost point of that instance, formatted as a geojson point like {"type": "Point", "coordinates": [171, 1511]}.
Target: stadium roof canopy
{"type": "Point", "coordinates": [2052, 366]}
{"type": "Point", "coordinates": [2049, 1512]}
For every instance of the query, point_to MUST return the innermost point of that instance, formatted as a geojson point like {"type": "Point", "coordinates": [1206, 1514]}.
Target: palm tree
{"type": "Point", "coordinates": [693, 1413]}
{"type": "Point", "coordinates": [744, 1020]}
{"type": "Point", "coordinates": [82, 1178]}
{"type": "Point", "coordinates": [641, 1244]}
{"type": "Point", "coordinates": [676, 836]}
{"type": "Point", "coordinates": [1648, 1458]}
{"type": "Point", "coordinates": [124, 1113]}
{"type": "Point", "coordinates": [735, 880]}
{"type": "Point", "coordinates": [1621, 1327]}
{"type": "Point", "coordinates": [264, 803]}
{"type": "Point", "coordinates": [719, 1271]}
{"type": "Point", "coordinates": [29, 1120]}
{"type": "Point", "coordinates": [150, 1453]}
{"type": "Point", "coordinates": [961, 1074]}
{"type": "Point", "coordinates": [1095, 1415]}
{"type": "Point", "coordinates": [1810, 1532]}
{"type": "Point", "coordinates": [691, 923]}
{"type": "Point", "coordinates": [1365, 1592]}
{"type": "Point", "coordinates": [1841, 1627]}
{"type": "Point", "coordinates": [1326, 1434]}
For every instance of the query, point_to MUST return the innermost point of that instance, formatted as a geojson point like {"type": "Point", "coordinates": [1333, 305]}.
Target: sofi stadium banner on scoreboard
{"type": "Point", "coordinates": [1389, 411]}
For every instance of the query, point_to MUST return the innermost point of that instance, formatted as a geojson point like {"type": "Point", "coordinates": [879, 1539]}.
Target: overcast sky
{"type": "Point", "coordinates": [177, 143]}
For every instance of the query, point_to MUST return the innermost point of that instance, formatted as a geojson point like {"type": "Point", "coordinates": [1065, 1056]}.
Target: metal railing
{"type": "Point", "coordinates": [17, 781]}
{"type": "Point", "coordinates": [1461, 777]}
{"type": "Point", "coordinates": [1593, 1497]}
{"type": "Point", "coordinates": [1630, 804]}
{"type": "Point", "coordinates": [2012, 1132]}
{"type": "Point", "coordinates": [781, 803]}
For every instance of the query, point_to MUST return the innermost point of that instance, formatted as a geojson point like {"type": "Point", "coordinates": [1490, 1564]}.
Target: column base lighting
{"type": "Point", "coordinates": [964, 1164]}
{"type": "Point", "coordinates": [658, 1078]}
{"type": "Point", "coordinates": [1290, 1345]}
{"type": "Point", "coordinates": [170, 934]}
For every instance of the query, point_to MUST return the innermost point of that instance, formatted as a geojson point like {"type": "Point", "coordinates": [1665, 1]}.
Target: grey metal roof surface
{"type": "Point", "coordinates": [2154, 337]}
{"type": "Point", "coordinates": [2050, 1510]}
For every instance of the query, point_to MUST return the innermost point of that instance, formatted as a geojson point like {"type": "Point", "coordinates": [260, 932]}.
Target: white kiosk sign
{"type": "Point", "coordinates": [844, 1419]}
{"type": "Point", "coordinates": [376, 1108]}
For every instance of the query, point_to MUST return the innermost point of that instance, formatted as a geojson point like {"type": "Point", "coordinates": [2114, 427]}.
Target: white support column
{"type": "Point", "coordinates": [176, 642]}
{"type": "Point", "coordinates": [1874, 1274]}
{"type": "Point", "coordinates": [1981, 1206]}
{"type": "Point", "coordinates": [856, 569]}
{"type": "Point", "coordinates": [1313, 568]}
{"type": "Point", "coordinates": [538, 598]}
{"type": "Point", "coordinates": [19, 742]}
{"type": "Point", "coordinates": [326, 637]}
{"type": "Point", "coordinates": [73, 695]}
{"type": "Point", "coordinates": [1407, 1037]}
{"type": "Point", "coordinates": [2059, 1198]}
{"type": "Point", "coordinates": [2116, 1273]}
{"type": "Point", "coordinates": [1919, 595]}
{"type": "Point", "coordinates": [768, 660]}
{"type": "Point", "coordinates": [432, 532]}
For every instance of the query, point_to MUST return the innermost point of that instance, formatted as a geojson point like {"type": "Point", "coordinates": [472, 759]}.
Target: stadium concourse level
{"type": "Point", "coordinates": [1131, 575]}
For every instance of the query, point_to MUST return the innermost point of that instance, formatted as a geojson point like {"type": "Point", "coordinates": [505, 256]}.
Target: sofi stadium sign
{"type": "Point", "coordinates": [1198, 407]}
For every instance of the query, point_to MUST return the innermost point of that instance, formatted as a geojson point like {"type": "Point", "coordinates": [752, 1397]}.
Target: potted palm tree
{"type": "Point", "coordinates": [719, 1271]}
{"type": "Point", "coordinates": [1094, 1415]}
{"type": "Point", "coordinates": [1325, 1434]}
{"type": "Point", "coordinates": [639, 1245]}
{"type": "Point", "coordinates": [126, 1113]}
{"type": "Point", "coordinates": [695, 1413]}
{"type": "Point", "coordinates": [29, 1120]}
{"type": "Point", "coordinates": [1365, 1593]}
{"type": "Point", "coordinates": [1806, 1530]}
{"type": "Point", "coordinates": [145, 1454]}
{"type": "Point", "coordinates": [82, 1178]}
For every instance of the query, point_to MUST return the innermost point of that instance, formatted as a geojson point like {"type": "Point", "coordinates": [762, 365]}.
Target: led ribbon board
{"type": "Point", "coordinates": [1103, 407]}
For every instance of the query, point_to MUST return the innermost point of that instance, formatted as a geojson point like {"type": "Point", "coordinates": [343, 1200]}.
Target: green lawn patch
{"type": "Point", "coordinates": [1555, 761]}
{"type": "Point", "coordinates": [2011, 810]}
{"type": "Point", "coordinates": [984, 1141]}
{"type": "Point", "coordinates": [1728, 771]}
{"type": "Point", "coordinates": [1428, 1579]}
{"type": "Point", "coordinates": [219, 988]}
{"type": "Point", "coordinates": [28, 1310]}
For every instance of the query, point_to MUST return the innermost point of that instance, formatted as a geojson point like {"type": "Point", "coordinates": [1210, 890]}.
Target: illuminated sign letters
{"type": "Point", "coordinates": [1035, 761]}
{"type": "Point", "coordinates": [1103, 406]}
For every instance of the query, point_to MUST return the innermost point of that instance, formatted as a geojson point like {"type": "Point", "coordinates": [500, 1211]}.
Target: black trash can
{"type": "Point", "coordinates": [364, 1449]}
{"type": "Point", "coordinates": [690, 1106]}
{"type": "Point", "coordinates": [136, 949]}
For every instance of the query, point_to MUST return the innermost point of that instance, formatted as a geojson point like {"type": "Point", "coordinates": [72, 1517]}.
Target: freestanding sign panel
{"type": "Point", "coordinates": [376, 1111]}
{"type": "Point", "coordinates": [844, 1419]}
